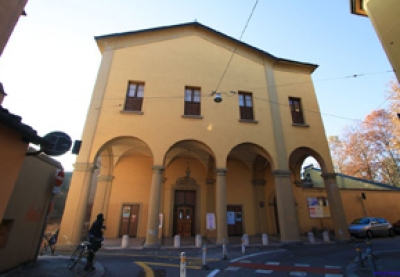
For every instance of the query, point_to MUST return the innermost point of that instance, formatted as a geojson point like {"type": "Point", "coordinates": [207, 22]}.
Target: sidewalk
{"type": "Point", "coordinates": [388, 263]}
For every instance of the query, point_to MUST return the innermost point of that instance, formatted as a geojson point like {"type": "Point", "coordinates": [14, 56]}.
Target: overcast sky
{"type": "Point", "coordinates": [50, 64]}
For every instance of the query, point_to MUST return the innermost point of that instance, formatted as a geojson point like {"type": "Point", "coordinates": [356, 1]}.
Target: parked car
{"type": "Point", "coordinates": [396, 227]}
{"type": "Point", "coordinates": [371, 227]}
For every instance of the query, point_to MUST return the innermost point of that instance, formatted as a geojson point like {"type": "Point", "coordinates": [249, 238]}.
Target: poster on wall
{"type": "Point", "coordinates": [210, 221]}
{"type": "Point", "coordinates": [318, 207]}
{"type": "Point", "coordinates": [230, 218]}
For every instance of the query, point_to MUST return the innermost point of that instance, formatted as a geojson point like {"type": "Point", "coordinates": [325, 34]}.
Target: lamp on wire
{"type": "Point", "coordinates": [217, 95]}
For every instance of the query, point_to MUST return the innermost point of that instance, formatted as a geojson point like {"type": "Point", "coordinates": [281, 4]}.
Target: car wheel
{"type": "Point", "coordinates": [369, 234]}
{"type": "Point", "coordinates": [391, 233]}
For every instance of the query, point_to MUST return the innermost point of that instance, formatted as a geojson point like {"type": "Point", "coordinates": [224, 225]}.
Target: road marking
{"type": "Point", "coordinates": [272, 263]}
{"type": "Point", "coordinates": [298, 273]}
{"type": "Point", "coordinates": [173, 265]}
{"type": "Point", "coordinates": [213, 273]}
{"type": "Point", "coordinates": [233, 268]}
{"type": "Point", "coordinates": [257, 254]}
{"type": "Point", "coordinates": [263, 271]}
{"type": "Point", "coordinates": [317, 270]}
{"type": "Point", "coordinates": [147, 270]}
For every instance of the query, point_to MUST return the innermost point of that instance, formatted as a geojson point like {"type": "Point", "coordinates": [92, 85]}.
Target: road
{"type": "Point", "coordinates": [283, 260]}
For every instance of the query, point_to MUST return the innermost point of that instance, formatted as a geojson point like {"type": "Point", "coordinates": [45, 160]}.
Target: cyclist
{"type": "Point", "coordinates": [95, 239]}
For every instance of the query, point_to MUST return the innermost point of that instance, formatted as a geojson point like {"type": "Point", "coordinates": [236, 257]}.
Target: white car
{"type": "Point", "coordinates": [371, 227]}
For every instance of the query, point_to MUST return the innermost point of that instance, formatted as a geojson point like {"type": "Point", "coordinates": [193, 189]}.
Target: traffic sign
{"type": "Point", "coordinates": [60, 143]}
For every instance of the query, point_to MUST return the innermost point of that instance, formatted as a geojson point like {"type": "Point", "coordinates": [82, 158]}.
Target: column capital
{"type": "Point", "coordinates": [89, 167]}
{"type": "Point", "coordinates": [157, 168]}
{"type": "Point", "coordinates": [282, 173]}
{"type": "Point", "coordinates": [105, 178]}
{"type": "Point", "coordinates": [329, 175]}
{"type": "Point", "coordinates": [221, 171]}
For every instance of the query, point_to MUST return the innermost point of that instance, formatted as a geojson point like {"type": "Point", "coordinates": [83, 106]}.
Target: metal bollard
{"type": "Point", "coordinates": [359, 258]}
{"type": "Point", "coordinates": [183, 265]}
{"type": "Point", "coordinates": [311, 237]}
{"type": "Point", "coordinates": [243, 246]}
{"type": "Point", "coordinates": [224, 250]}
{"type": "Point", "coordinates": [204, 256]}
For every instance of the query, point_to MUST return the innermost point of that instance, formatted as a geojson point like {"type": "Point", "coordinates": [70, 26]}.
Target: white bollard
{"type": "Point", "coordinates": [311, 237]}
{"type": "Point", "coordinates": [204, 256]}
{"type": "Point", "coordinates": [325, 234]}
{"type": "Point", "coordinates": [125, 241]}
{"type": "Point", "coordinates": [245, 238]}
{"type": "Point", "coordinates": [264, 238]}
{"type": "Point", "coordinates": [243, 247]}
{"type": "Point", "coordinates": [177, 241]}
{"type": "Point", "coordinates": [183, 265]}
{"type": "Point", "coordinates": [198, 240]}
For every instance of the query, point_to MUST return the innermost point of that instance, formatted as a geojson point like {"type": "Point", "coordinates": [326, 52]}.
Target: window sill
{"type": "Point", "coordinates": [300, 125]}
{"type": "Point", "coordinates": [132, 112]}
{"type": "Point", "coordinates": [192, 116]}
{"type": "Point", "coordinates": [248, 120]}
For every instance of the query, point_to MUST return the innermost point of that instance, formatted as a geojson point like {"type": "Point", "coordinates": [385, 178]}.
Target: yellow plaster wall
{"type": "Point", "coordinates": [131, 185]}
{"type": "Point", "coordinates": [199, 63]}
{"type": "Point", "coordinates": [378, 203]}
{"type": "Point", "coordinates": [240, 191]}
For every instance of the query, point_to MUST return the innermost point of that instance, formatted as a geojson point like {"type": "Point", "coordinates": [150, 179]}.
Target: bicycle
{"type": "Point", "coordinates": [79, 257]}
{"type": "Point", "coordinates": [48, 244]}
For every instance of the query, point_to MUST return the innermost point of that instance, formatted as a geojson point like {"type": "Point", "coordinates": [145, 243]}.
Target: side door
{"type": "Point", "coordinates": [234, 220]}
{"type": "Point", "coordinates": [129, 220]}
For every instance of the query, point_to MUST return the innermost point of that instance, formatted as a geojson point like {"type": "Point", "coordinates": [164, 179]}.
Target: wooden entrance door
{"type": "Point", "coordinates": [184, 212]}
{"type": "Point", "coordinates": [184, 221]}
{"type": "Point", "coordinates": [234, 220]}
{"type": "Point", "coordinates": [129, 220]}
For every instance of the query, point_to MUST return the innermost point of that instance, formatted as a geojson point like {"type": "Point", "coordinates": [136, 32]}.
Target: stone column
{"type": "Point", "coordinates": [154, 208]}
{"type": "Point", "coordinates": [336, 206]}
{"type": "Point", "coordinates": [288, 221]}
{"type": "Point", "coordinates": [222, 227]}
{"type": "Point", "coordinates": [76, 205]}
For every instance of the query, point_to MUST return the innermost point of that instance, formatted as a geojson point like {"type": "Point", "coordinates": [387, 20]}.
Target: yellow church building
{"type": "Point", "coordinates": [192, 132]}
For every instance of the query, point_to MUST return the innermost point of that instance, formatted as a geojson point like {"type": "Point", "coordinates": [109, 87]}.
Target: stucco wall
{"type": "Point", "coordinates": [27, 209]}
{"type": "Point", "coordinates": [12, 150]}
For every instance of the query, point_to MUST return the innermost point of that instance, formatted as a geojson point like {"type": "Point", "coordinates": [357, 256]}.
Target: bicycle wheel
{"type": "Point", "coordinates": [80, 266]}
{"type": "Point", "coordinates": [75, 256]}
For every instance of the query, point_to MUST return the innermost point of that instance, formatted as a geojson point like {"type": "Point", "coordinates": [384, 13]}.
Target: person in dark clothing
{"type": "Point", "coordinates": [95, 238]}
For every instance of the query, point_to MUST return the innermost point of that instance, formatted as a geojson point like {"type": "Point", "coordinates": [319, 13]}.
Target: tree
{"type": "Point", "coordinates": [371, 149]}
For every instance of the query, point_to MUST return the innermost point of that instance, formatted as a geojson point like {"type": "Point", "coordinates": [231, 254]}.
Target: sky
{"type": "Point", "coordinates": [49, 66]}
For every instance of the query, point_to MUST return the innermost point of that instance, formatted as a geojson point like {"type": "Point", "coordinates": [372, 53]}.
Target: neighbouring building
{"type": "Point", "coordinates": [384, 16]}
{"type": "Point", "coordinates": [190, 131]}
{"type": "Point", "coordinates": [10, 11]}
{"type": "Point", "coordinates": [26, 214]}
{"type": "Point", "coordinates": [360, 197]}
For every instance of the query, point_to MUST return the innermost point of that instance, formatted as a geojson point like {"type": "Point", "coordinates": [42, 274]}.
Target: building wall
{"type": "Point", "coordinates": [166, 61]}
{"type": "Point", "coordinates": [10, 11]}
{"type": "Point", "coordinates": [12, 150]}
{"type": "Point", "coordinates": [384, 17]}
{"type": "Point", "coordinates": [27, 210]}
